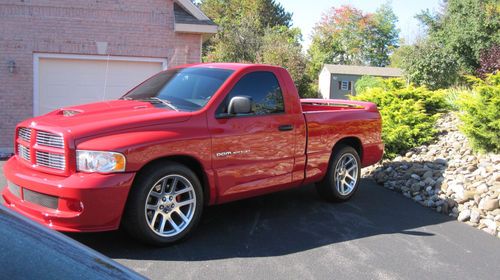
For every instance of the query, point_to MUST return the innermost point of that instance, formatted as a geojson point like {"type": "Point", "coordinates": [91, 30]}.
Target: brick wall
{"type": "Point", "coordinates": [131, 27]}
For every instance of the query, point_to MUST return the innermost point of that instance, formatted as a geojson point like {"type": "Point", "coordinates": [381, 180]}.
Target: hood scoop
{"type": "Point", "coordinates": [69, 113]}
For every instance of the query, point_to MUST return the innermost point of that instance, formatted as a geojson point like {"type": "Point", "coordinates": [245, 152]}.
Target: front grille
{"type": "Point", "coordinates": [25, 134]}
{"type": "Point", "coordinates": [45, 153]}
{"type": "Point", "coordinates": [24, 152]}
{"type": "Point", "coordinates": [14, 189]}
{"type": "Point", "coordinates": [50, 160]}
{"type": "Point", "coordinates": [49, 139]}
{"type": "Point", "coordinates": [40, 198]}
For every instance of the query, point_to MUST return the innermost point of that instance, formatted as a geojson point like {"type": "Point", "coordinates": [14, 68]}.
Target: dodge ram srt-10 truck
{"type": "Point", "coordinates": [188, 137]}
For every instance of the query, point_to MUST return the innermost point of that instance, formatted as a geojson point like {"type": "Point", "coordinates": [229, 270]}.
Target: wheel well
{"type": "Point", "coordinates": [353, 142]}
{"type": "Point", "coordinates": [190, 163]}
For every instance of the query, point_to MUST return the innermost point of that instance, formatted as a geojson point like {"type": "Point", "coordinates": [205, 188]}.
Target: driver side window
{"type": "Point", "coordinates": [264, 90]}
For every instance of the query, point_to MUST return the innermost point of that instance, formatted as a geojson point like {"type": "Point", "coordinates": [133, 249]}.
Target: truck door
{"type": "Point", "coordinates": [253, 152]}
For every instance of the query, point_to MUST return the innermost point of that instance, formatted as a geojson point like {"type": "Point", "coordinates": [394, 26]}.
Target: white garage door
{"type": "Point", "coordinates": [66, 82]}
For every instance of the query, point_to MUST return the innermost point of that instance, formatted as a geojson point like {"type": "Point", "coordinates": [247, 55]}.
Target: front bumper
{"type": "Point", "coordinates": [85, 201]}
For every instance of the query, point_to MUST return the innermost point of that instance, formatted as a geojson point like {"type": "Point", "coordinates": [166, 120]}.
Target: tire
{"type": "Point", "coordinates": [165, 204]}
{"type": "Point", "coordinates": [343, 175]}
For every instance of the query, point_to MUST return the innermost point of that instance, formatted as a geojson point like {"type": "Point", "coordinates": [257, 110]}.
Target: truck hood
{"type": "Point", "coordinates": [104, 117]}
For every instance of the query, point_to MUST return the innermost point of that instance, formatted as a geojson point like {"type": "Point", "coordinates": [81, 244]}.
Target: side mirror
{"type": "Point", "coordinates": [240, 105]}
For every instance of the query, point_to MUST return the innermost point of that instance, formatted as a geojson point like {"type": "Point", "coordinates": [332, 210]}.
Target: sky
{"type": "Point", "coordinates": [306, 13]}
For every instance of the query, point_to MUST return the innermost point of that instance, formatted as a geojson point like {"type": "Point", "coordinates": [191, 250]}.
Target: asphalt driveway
{"type": "Point", "coordinates": [379, 234]}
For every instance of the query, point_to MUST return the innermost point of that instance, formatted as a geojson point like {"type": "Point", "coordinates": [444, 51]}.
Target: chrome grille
{"type": "Point", "coordinates": [23, 152]}
{"type": "Point", "coordinates": [50, 160]}
{"type": "Point", "coordinates": [49, 139]}
{"type": "Point", "coordinates": [40, 198]}
{"type": "Point", "coordinates": [25, 134]}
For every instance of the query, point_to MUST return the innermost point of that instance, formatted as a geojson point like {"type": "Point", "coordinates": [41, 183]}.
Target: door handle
{"type": "Point", "coordinates": [285, 127]}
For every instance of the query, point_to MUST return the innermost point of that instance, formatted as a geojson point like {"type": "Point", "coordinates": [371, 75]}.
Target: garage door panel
{"type": "Point", "coordinates": [67, 82]}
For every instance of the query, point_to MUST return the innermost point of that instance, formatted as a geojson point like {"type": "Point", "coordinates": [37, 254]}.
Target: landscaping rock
{"type": "Point", "coordinates": [448, 176]}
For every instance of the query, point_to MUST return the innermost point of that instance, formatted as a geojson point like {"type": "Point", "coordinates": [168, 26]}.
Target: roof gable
{"type": "Point", "coordinates": [363, 70]}
{"type": "Point", "coordinates": [190, 19]}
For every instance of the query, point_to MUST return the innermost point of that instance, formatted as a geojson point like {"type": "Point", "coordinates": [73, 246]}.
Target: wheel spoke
{"type": "Point", "coordinates": [349, 187]}
{"type": "Point", "coordinates": [349, 176]}
{"type": "Point", "coordinates": [151, 207]}
{"type": "Point", "coordinates": [185, 202]}
{"type": "Point", "coordinates": [155, 216]}
{"type": "Point", "coordinates": [163, 223]}
{"type": "Point", "coordinates": [174, 185]}
{"type": "Point", "coordinates": [162, 187]}
{"type": "Point", "coordinates": [183, 217]}
{"type": "Point", "coordinates": [182, 191]}
{"type": "Point", "coordinates": [354, 166]}
{"type": "Point", "coordinates": [174, 225]}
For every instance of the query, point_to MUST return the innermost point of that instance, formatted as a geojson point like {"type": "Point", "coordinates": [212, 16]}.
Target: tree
{"type": "Point", "coordinates": [464, 28]}
{"type": "Point", "coordinates": [281, 46]}
{"type": "Point", "coordinates": [256, 31]}
{"type": "Point", "coordinates": [346, 35]}
{"type": "Point", "coordinates": [241, 26]}
{"type": "Point", "coordinates": [489, 61]}
{"type": "Point", "coordinates": [427, 63]}
{"type": "Point", "coordinates": [381, 38]}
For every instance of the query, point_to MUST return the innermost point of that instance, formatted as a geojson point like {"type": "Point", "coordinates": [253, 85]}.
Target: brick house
{"type": "Point", "coordinates": [55, 53]}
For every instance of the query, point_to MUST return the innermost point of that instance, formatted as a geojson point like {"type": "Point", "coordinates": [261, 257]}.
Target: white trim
{"type": "Point", "coordinates": [191, 8]}
{"type": "Point", "coordinates": [38, 56]}
{"type": "Point", "coordinates": [195, 28]}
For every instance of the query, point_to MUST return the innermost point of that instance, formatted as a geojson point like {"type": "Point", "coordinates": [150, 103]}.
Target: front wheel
{"type": "Point", "coordinates": [343, 175]}
{"type": "Point", "coordinates": [165, 204]}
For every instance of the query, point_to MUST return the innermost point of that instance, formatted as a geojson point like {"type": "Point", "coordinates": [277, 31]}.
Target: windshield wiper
{"type": "Point", "coordinates": [153, 99]}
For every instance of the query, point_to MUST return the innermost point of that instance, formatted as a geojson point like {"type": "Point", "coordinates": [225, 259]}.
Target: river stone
{"type": "Point", "coordinates": [464, 215]}
{"type": "Point", "coordinates": [475, 215]}
{"type": "Point", "coordinates": [488, 204]}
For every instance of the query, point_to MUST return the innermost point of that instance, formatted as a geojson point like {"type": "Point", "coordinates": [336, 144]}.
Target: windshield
{"type": "Point", "coordinates": [181, 89]}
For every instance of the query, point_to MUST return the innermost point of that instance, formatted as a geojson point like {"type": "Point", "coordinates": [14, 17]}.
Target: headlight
{"type": "Point", "coordinates": [97, 161]}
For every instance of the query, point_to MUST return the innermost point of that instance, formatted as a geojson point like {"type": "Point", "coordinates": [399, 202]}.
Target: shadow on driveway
{"type": "Point", "coordinates": [279, 224]}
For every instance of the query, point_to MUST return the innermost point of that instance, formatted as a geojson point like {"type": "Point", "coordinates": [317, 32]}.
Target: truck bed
{"type": "Point", "coordinates": [330, 120]}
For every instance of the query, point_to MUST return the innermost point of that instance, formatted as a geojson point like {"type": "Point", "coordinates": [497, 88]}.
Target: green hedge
{"type": "Point", "coordinates": [408, 113]}
{"type": "Point", "coordinates": [480, 113]}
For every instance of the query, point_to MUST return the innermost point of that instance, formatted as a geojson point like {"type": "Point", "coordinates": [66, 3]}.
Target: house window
{"type": "Point", "coordinates": [345, 85]}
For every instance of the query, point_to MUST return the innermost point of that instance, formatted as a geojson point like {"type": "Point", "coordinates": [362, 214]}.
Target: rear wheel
{"type": "Point", "coordinates": [343, 175]}
{"type": "Point", "coordinates": [165, 204]}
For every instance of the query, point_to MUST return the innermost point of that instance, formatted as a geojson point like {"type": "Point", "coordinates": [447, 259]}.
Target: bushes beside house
{"type": "Point", "coordinates": [408, 112]}
{"type": "Point", "coordinates": [480, 113]}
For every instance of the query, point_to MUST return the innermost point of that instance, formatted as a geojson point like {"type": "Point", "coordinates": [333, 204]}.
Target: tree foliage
{"type": "Point", "coordinates": [489, 61]}
{"type": "Point", "coordinates": [456, 38]}
{"type": "Point", "coordinates": [256, 31]}
{"type": "Point", "coordinates": [346, 35]}
{"type": "Point", "coordinates": [427, 63]}
{"type": "Point", "coordinates": [281, 46]}
{"type": "Point", "coordinates": [242, 24]}
{"type": "Point", "coordinates": [465, 29]}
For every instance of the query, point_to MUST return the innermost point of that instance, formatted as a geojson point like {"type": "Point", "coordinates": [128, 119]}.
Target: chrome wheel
{"type": "Point", "coordinates": [170, 205]}
{"type": "Point", "coordinates": [346, 174]}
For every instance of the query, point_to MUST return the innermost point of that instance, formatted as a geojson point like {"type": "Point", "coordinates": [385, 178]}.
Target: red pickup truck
{"type": "Point", "coordinates": [185, 138]}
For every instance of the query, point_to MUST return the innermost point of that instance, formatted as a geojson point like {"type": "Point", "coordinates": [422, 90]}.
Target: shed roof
{"type": "Point", "coordinates": [363, 70]}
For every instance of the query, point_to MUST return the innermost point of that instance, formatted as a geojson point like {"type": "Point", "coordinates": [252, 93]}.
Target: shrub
{"type": "Point", "coordinates": [408, 113]}
{"type": "Point", "coordinates": [367, 82]}
{"type": "Point", "coordinates": [451, 96]}
{"type": "Point", "coordinates": [480, 114]}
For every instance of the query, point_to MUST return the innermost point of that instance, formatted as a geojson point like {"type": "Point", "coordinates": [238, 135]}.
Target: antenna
{"type": "Point", "coordinates": [105, 79]}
